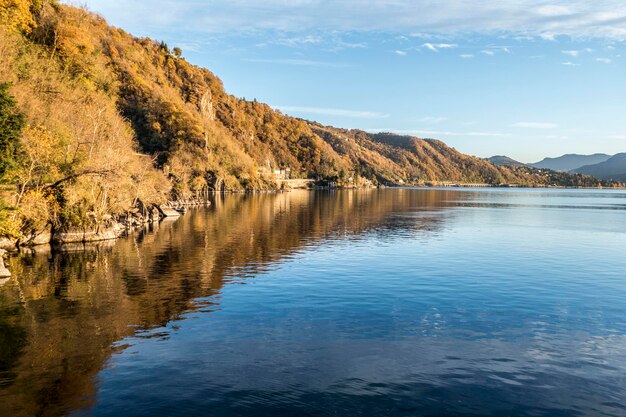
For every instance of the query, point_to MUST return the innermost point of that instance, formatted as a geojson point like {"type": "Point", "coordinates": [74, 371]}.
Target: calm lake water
{"type": "Point", "coordinates": [393, 302]}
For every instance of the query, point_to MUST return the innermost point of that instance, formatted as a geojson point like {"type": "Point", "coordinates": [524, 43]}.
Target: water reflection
{"type": "Point", "coordinates": [374, 302]}
{"type": "Point", "coordinates": [62, 313]}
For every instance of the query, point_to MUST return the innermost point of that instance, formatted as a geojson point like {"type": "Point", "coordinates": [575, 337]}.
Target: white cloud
{"type": "Point", "coordinates": [576, 53]}
{"type": "Point", "coordinates": [467, 56]}
{"type": "Point", "coordinates": [300, 40]}
{"type": "Point", "coordinates": [576, 18]}
{"type": "Point", "coordinates": [401, 53]}
{"type": "Point", "coordinates": [488, 52]}
{"type": "Point", "coordinates": [604, 60]}
{"type": "Point", "coordinates": [358, 114]}
{"type": "Point", "coordinates": [548, 36]}
{"type": "Point", "coordinates": [554, 10]}
{"type": "Point", "coordinates": [570, 64]}
{"type": "Point", "coordinates": [535, 125]}
{"type": "Point", "coordinates": [571, 53]}
{"type": "Point", "coordinates": [435, 47]}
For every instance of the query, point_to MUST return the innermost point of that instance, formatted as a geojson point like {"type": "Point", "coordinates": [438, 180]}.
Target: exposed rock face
{"type": "Point", "coordinates": [4, 272]}
{"type": "Point", "coordinates": [79, 235]}
{"type": "Point", "coordinates": [168, 212]}
{"type": "Point", "coordinates": [7, 244]}
{"type": "Point", "coordinates": [38, 238]}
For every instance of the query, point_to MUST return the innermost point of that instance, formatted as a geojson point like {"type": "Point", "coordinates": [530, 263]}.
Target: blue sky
{"type": "Point", "coordinates": [525, 78]}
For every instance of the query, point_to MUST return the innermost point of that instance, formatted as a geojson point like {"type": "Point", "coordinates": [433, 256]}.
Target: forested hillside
{"type": "Point", "coordinates": [93, 120]}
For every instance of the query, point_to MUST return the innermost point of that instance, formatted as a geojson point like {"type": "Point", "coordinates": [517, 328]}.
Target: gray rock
{"type": "Point", "coordinates": [80, 235]}
{"type": "Point", "coordinates": [4, 272]}
{"type": "Point", "coordinates": [8, 244]}
{"type": "Point", "coordinates": [37, 238]}
{"type": "Point", "coordinates": [168, 211]}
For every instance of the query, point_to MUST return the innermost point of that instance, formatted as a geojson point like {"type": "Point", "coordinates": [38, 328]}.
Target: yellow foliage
{"type": "Point", "coordinates": [17, 15]}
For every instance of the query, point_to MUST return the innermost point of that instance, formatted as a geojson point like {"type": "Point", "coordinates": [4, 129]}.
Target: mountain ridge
{"type": "Point", "coordinates": [503, 160]}
{"type": "Point", "coordinates": [570, 162]}
{"type": "Point", "coordinates": [612, 169]}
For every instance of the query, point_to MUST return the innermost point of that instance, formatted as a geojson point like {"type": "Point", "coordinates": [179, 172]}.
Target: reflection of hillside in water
{"type": "Point", "coordinates": [61, 314]}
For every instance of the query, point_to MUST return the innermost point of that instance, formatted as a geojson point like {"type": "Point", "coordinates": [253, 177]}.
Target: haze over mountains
{"type": "Point", "coordinates": [598, 165]}
{"type": "Point", "coordinates": [570, 162]}
{"type": "Point", "coordinates": [613, 168]}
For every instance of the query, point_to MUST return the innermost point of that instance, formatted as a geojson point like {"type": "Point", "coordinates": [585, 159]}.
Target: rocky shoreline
{"type": "Point", "coordinates": [108, 228]}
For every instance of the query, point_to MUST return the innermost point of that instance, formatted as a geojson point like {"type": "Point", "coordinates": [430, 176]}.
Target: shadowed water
{"type": "Point", "coordinates": [391, 302]}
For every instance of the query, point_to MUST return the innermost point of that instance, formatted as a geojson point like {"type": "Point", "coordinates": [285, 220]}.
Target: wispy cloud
{"type": "Point", "coordinates": [575, 18]}
{"type": "Point", "coordinates": [488, 52]}
{"type": "Point", "coordinates": [536, 125]}
{"type": "Point", "coordinates": [576, 53]}
{"type": "Point", "coordinates": [401, 53]}
{"type": "Point", "coordinates": [548, 36]}
{"type": "Point", "coordinates": [604, 60]}
{"type": "Point", "coordinates": [300, 40]}
{"type": "Point", "coordinates": [435, 47]}
{"type": "Point", "coordinates": [554, 11]}
{"type": "Point", "coordinates": [570, 64]}
{"type": "Point", "coordinates": [571, 53]}
{"type": "Point", "coordinates": [467, 56]}
{"type": "Point", "coordinates": [298, 62]}
{"type": "Point", "coordinates": [358, 114]}
{"type": "Point", "coordinates": [499, 48]}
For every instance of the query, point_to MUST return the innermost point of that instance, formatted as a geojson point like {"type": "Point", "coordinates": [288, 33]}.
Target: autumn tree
{"type": "Point", "coordinates": [11, 124]}
{"type": "Point", "coordinates": [17, 14]}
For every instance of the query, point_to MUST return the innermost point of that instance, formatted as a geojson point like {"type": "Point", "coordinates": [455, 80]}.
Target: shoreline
{"type": "Point", "coordinates": [73, 238]}
{"type": "Point", "coordinates": [122, 225]}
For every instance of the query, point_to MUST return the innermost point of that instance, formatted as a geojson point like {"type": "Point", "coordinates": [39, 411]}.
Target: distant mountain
{"type": "Point", "coordinates": [570, 162]}
{"type": "Point", "coordinates": [501, 160]}
{"type": "Point", "coordinates": [613, 168]}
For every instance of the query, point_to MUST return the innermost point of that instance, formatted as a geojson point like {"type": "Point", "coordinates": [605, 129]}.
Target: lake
{"type": "Point", "coordinates": [392, 302]}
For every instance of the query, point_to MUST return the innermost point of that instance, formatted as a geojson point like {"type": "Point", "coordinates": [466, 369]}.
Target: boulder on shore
{"type": "Point", "coordinates": [37, 238]}
{"type": "Point", "coordinates": [8, 244]}
{"type": "Point", "coordinates": [82, 235]}
{"type": "Point", "coordinates": [168, 211]}
{"type": "Point", "coordinates": [4, 272]}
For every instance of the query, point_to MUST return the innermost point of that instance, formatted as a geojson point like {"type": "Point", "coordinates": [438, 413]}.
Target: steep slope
{"type": "Point", "coordinates": [202, 136]}
{"type": "Point", "coordinates": [73, 161]}
{"type": "Point", "coordinates": [570, 162]}
{"type": "Point", "coordinates": [501, 160]}
{"type": "Point", "coordinates": [612, 169]}
{"type": "Point", "coordinates": [393, 159]}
